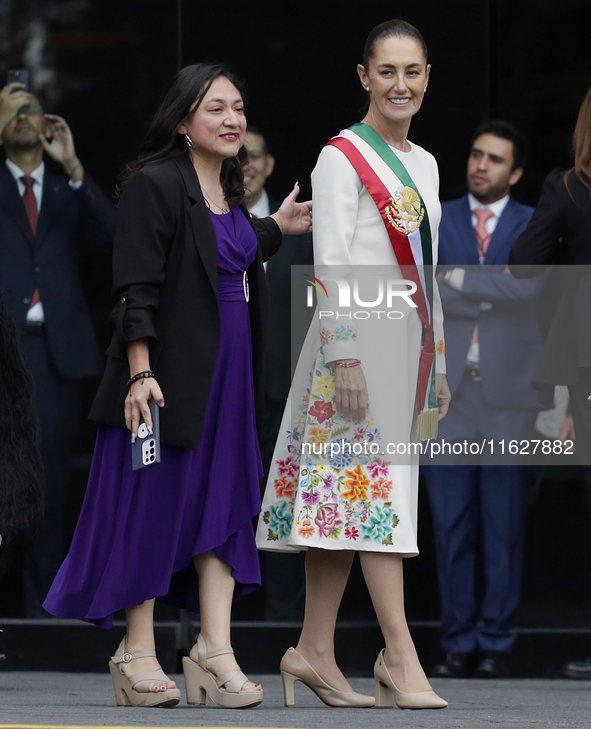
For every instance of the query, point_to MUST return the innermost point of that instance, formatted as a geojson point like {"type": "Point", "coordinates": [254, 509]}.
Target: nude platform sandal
{"type": "Point", "coordinates": [386, 689]}
{"type": "Point", "coordinates": [126, 688]}
{"type": "Point", "coordinates": [294, 667]}
{"type": "Point", "coordinates": [224, 690]}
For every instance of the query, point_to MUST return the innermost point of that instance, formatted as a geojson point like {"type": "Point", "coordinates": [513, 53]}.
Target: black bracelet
{"type": "Point", "coordinates": [139, 376]}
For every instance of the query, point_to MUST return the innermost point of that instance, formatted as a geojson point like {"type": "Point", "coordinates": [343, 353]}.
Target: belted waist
{"type": "Point", "coordinates": [233, 286]}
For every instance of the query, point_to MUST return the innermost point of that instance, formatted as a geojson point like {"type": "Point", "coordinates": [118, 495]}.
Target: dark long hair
{"type": "Point", "coordinates": [21, 489]}
{"type": "Point", "coordinates": [582, 144]}
{"type": "Point", "coordinates": [190, 86]}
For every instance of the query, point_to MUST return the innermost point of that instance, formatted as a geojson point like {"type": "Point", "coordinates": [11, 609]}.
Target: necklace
{"type": "Point", "coordinates": [208, 199]}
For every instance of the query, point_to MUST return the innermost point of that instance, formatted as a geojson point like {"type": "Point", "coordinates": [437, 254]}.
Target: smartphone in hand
{"type": "Point", "coordinates": [19, 76]}
{"type": "Point", "coordinates": [145, 452]}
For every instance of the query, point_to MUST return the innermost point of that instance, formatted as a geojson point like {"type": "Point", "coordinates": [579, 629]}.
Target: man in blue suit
{"type": "Point", "coordinates": [48, 212]}
{"type": "Point", "coordinates": [493, 346]}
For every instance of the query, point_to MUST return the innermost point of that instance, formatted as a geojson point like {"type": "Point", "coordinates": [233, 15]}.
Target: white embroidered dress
{"type": "Point", "coordinates": [346, 501]}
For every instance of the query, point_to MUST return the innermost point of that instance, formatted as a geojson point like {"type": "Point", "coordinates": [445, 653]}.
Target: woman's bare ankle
{"type": "Point", "coordinates": [323, 661]}
{"type": "Point", "coordinates": [314, 652]}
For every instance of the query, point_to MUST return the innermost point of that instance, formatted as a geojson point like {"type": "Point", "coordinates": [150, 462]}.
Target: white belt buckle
{"type": "Point", "coordinates": [245, 286]}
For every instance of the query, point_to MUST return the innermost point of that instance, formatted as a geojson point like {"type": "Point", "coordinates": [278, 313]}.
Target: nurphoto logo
{"type": "Point", "coordinates": [386, 292]}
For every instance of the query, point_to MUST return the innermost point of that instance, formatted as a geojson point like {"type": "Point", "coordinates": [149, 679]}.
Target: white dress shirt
{"type": "Point", "coordinates": [495, 208]}
{"type": "Point", "coordinates": [261, 209]}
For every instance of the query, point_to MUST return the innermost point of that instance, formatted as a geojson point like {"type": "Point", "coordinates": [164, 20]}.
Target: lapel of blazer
{"type": "Point", "coordinates": [198, 213]}
{"type": "Point", "coordinates": [54, 190]}
{"type": "Point", "coordinates": [502, 238]}
{"type": "Point", "coordinates": [12, 203]}
{"type": "Point", "coordinates": [467, 234]}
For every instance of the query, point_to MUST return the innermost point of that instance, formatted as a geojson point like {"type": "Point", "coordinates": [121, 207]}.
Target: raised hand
{"type": "Point", "coordinates": [58, 142]}
{"type": "Point", "coordinates": [294, 218]}
{"type": "Point", "coordinates": [11, 102]}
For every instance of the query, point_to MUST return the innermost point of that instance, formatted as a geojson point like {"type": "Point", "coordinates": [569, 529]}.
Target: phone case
{"type": "Point", "coordinates": [20, 76]}
{"type": "Point", "coordinates": [145, 452]}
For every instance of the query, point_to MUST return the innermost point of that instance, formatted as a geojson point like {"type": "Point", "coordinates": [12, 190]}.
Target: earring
{"type": "Point", "coordinates": [425, 89]}
{"type": "Point", "coordinates": [367, 88]}
{"type": "Point", "coordinates": [188, 140]}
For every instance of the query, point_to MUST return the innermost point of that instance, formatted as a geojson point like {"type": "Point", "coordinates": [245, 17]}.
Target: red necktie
{"type": "Point", "coordinates": [30, 203]}
{"type": "Point", "coordinates": [482, 235]}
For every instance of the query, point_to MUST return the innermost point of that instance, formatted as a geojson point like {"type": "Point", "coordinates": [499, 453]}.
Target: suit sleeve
{"type": "Point", "coordinates": [145, 227]}
{"type": "Point", "coordinates": [539, 242]}
{"type": "Point", "coordinates": [496, 287]}
{"type": "Point", "coordinates": [269, 236]}
{"type": "Point", "coordinates": [335, 202]}
{"type": "Point", "coordinates": [97, 214]}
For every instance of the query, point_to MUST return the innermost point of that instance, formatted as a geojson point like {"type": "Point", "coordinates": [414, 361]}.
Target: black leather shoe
{"type": "Point", "coordinates": [493, 664]}
{"type": "Point", "coordinates": [578, 670]}
{"type": "Point", "coordinates": [456, 665]}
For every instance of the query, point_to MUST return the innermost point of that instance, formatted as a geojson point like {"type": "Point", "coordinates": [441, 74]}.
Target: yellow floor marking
{"type": "Point", "coordinates": [126, 726]}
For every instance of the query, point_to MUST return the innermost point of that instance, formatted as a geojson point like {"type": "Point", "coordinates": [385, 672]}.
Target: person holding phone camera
{"type": "Point", "coordinates": [50, 210]}
{"type": "Point", "coordinates": [188, 271]}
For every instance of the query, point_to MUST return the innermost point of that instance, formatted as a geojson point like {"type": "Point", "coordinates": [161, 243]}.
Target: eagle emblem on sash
{"type": "Point", "coordinates": [406, 212]}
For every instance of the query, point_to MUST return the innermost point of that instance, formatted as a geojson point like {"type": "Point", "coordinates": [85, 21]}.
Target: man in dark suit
{"type": "Point", "coordinates": [493, 346]}
{"type": "Point", "coordinates": [46, 216]}
{"type": "Point", "coordinates": [283, 574]}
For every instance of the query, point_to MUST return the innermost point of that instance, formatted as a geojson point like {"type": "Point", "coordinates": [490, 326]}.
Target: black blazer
{"type": "Point", "coordinates": [68, 220]}
{"type": "Point", "coordinates": [560, 229]}
{"type": "Point", "coordinates": [560, 232]}
{"type": "Point", "coordinates": [165, 274]}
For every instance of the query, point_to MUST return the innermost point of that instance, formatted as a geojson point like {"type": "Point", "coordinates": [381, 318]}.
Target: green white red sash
{"type": "Point", "coordinates": [407, 223]}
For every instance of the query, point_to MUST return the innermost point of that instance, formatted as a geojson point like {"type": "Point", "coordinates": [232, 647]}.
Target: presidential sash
{"type": "Point", "coordinates": [407, 223]}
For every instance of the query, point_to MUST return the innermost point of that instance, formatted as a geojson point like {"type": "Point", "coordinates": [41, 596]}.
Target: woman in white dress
{"type": "Point", "coordinates": [364, 382]}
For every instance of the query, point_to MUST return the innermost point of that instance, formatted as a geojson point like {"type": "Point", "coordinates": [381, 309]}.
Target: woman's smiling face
{"type": "Point", "coordinates": [218, 126]}
{"type": "Point", "coordinates": [397, 77]}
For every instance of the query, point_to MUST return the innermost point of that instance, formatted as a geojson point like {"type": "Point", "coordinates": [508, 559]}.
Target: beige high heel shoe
{"type": "Point", "coordinates": [224, 690]}
{"type": "Point", "coordinates": [294, 667]}
{"type": "Point", "coordinates": [386, 689]}
{"type": "Point", "coordinates": [128, 689]}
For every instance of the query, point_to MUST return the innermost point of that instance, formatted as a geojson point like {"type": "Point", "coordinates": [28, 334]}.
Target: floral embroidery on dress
{"type": "Point", "coordinates": [338, 334]}
{"type": "Point", "coordinates": [356, 485]}
{"type": "Point", "coordinates": [279, 518]}
{"type": "Point", "coordinates": [380, 524]}
{"type": "Point", "coordinates": [329, 493]}
{"type": "Point", "coordinates": [321, 411]}
{"type": "Point", "coordinates": [440, 347]}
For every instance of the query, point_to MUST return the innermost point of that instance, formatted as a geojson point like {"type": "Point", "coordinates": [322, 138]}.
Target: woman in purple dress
{"type": "Point", "coordinates": [188, 271]}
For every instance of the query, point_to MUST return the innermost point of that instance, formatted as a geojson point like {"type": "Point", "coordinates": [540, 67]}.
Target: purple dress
{"type": "Point", "coordinates": [138, 532]}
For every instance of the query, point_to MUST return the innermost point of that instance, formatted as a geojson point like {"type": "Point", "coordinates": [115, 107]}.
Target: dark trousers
{"type": "Point", "coordinates": [469, 503]}
{"type": "Point", "coordinates": [475, 504]}
{"type": "Point", "coordinates": [58, 404]}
